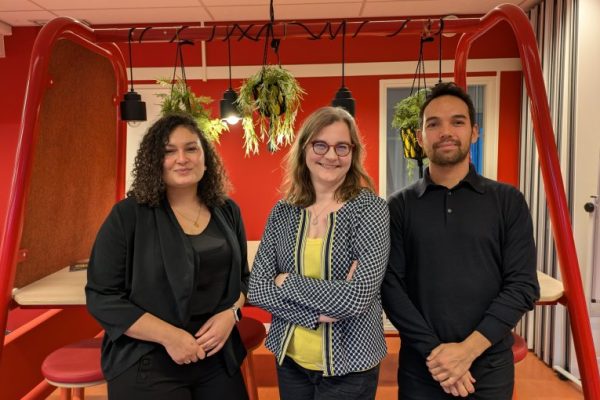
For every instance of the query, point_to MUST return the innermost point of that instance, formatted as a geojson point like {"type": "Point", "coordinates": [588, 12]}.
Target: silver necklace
{"type": "Point", "coordinates": [315, 220]}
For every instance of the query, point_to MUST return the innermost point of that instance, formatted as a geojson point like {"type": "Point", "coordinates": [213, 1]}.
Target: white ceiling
{"type": "Point", "coordinates": [97, 12]}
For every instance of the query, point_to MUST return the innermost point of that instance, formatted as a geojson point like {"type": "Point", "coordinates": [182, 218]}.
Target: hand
{"type": "Point", "coordinates": [182, 347]}
{"type": "Point", "coordinates": [463, 387]}
{"type": "Point", "coordinates": [279, 279]}
{"type": "Point", "coordinates": [326, 319]}
{"type": "Point", "coordinates": [448, 362]}
{"type": "Point", "coordinates": [214, 333]}
{"type": "Point", "coordinates": [352, 270]}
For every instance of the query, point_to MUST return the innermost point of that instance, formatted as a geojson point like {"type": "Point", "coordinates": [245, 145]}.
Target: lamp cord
{"type": "Point", "coordinates": [420, 66]}
{"type": "Point", "coordinates": [274, 42]}
{"type": "Point", "coordinates": [420, 70]}
{"type": "Point", "coordinates": [130, 60]}
{"type": "Point", "coordinates": [179, 60]}
{"type": "Point", "coordinates": [183, 76]}
{"type": "Point", "coordinates": [270, 34]}
{"type": "Point", "coordinates": [229, 57]}
{"type": "Point", "coordinates": [343, 52]}
{"type": "Point", "coordinates": [175, 66]}
{"type": "Point", "coordinates": [440, 33]}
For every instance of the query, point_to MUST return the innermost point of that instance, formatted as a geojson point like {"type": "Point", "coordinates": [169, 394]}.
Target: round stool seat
{"type": "Point", "coordinates": [519, 348]}
{"type": "Point", "coordinates": [74, 364]}
{"type": "Point", "coordinates": [252, 332]}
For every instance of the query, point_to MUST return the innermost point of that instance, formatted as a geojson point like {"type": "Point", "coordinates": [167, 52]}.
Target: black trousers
{"type": "Point", "coordinates": [157, 377]}
{"type": "Point", "coordinates": [494, 373]}
{"type": "Point", "coordinates": [298, 383]}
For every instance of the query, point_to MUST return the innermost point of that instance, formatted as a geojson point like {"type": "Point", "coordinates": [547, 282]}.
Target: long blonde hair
{"type": "Point", "coordinates": [297, 186]}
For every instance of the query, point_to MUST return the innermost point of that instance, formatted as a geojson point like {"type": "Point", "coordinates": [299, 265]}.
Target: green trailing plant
{"type": "Point", "coordinates": [406, 120]}
{"type": "Point", "coordinates": [273, 95]}
{"type": "Point", "coordinates": [181, 99]}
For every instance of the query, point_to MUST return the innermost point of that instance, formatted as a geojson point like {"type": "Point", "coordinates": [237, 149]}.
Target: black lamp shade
{"type": "Point", "coordinates": [133, 108]}
{"type": "Point", "coordinates": [228, 105]}
{"type": "Point", "coordinates": [343, 98]}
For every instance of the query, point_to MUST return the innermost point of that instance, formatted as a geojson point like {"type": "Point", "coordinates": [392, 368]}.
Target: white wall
{"type": "Point", "coordinates": [587, 143]}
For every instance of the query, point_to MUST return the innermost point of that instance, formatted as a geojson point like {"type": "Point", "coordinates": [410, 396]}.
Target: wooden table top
{"type": "Point", "coordinates": [66, 288]}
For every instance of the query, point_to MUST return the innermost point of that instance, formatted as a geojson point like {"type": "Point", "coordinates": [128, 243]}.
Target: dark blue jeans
{"type": "Point", "coordinates": [297, 383]}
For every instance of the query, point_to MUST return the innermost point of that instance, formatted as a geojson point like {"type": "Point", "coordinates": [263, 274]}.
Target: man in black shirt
{"type": "Point", "coordinates": [462, 269]}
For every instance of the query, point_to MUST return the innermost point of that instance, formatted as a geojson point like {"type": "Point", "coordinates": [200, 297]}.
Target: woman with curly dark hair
{"type": "Point", "coordinates": [168, 274]}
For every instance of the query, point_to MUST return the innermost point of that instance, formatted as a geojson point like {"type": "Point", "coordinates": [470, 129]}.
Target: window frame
{"type": "Point", "coordinates": [491, 122]}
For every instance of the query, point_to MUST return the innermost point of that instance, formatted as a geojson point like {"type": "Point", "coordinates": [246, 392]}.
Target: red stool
{"type": "Point", "coordinates": [520, 350]}
{"type": "Point", "coordinates": [74, 367]}
{"type": "Point", "coordinates": [252, 333]}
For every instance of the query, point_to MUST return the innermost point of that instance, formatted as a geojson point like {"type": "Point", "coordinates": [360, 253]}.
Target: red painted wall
{"type": "Point", "coordinates": [509, 126]}
{"type": "Point", "coordinates": [256, 178]}
{"type": "Point", "coordinates": [13, 80]}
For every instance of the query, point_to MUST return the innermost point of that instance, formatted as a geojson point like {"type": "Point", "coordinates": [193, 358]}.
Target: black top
{"type": "Point", "coordinates": [462, 259]}
{"type": "Point", "coordinates": [213, 257]}
{"type": "Point", "coordinates": [141, 262]}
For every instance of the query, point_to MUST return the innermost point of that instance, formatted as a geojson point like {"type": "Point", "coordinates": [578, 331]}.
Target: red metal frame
{"type": "Point", "coordinates": [474, 28]}
{"type": "Point", "coordinates": [574, 297]}
{"type": "Point", "coordinates": [38, 82]}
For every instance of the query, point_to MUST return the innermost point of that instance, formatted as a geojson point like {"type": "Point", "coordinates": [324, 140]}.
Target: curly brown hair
{"type": "Point", "coordinates": [148, 186]}
{"type": "Point", "coordinates": [297, 187]}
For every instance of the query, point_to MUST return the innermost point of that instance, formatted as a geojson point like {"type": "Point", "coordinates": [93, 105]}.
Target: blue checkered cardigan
{"type": "Point", "coordinates": [357, 231]}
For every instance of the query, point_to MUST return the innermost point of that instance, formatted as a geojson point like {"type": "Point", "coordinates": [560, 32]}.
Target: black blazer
{"type": "Point", "coordinates": [142, 261]}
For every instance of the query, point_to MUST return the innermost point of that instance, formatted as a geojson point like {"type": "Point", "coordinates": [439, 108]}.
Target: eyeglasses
{"type": "Point", "coordinates": [341, 149]}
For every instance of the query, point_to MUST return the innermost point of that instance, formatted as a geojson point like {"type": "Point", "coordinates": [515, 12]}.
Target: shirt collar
{"type": "Point", "coordinates": [473, 179]}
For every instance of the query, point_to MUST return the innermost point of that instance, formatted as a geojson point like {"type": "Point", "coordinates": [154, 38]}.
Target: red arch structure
{"type": "Point", "coordinates": [574, 298]}
{"type": "Point", "coordinates": [471, 28]}
{"type": "Point", "coordinates": [26, 347]}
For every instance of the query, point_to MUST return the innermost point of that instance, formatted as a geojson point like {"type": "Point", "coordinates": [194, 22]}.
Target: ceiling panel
{"type": "Point", "coordinates": [17, 5]}
{"type": "Point", "coordinates": [265, 3]}
{"type": "Point", "coordinates": [108, 4]}
{"type": "Point", "coordinates": [322, 10]}
{"type": "Point", "coordinates": [135, 16]}
{"type": "Point", "coordinates": [19, 12]}
{"type": "Point", "coordinates": [25, 18]}
{"type": "Point", "coordinates": [239, 13]}
{"type": "Point", "coordinates": [288, 11]}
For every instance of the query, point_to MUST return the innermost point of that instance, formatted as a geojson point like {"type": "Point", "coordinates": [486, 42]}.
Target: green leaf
{"type": "Point", "coordinates": [181, 99]}
{"type": "Point", "coordinates": [262, 95]}
{"type": "Point", "coordinates": [406, 121]}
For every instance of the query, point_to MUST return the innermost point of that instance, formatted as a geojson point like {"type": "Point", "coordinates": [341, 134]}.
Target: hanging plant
{"type": "Point", "coordinates": [274, 95]}
{"type": "Point", "coordinates": [406, 120]}
{"type": "Point", "coordinates": [181, 99]}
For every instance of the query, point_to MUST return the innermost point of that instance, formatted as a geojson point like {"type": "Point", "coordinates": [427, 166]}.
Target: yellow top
{"type": "Point", "coordinates": [306, 345]}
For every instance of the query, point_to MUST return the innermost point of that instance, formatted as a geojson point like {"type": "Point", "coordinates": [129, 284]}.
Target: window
{"type": "Point", "coordinates": [396, 172]}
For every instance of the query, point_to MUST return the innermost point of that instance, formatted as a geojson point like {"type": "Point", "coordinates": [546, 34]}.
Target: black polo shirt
{"type": "Point", "coordinates": [462, 259]}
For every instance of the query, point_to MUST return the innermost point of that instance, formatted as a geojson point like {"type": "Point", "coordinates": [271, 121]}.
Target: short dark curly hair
{"type": "Point", "coordinates": [448, 89]}
{"type": "Point", "coordinates": [148, 186]}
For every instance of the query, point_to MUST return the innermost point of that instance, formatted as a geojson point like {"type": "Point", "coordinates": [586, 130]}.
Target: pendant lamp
{"type": "Point", "coordinates": [343, 97]}
{"type": "Point", "coordinates": [133, 109]}
{"type": "Point", "coordinates": [229, 109]}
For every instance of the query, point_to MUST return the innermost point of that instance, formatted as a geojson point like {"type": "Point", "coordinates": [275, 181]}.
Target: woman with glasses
{"type": "Point", "coordinates": [320, 263]}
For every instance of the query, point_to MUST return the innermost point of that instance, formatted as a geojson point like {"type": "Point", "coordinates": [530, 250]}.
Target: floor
{"type": "Point", "coordinates": [534, 379]}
